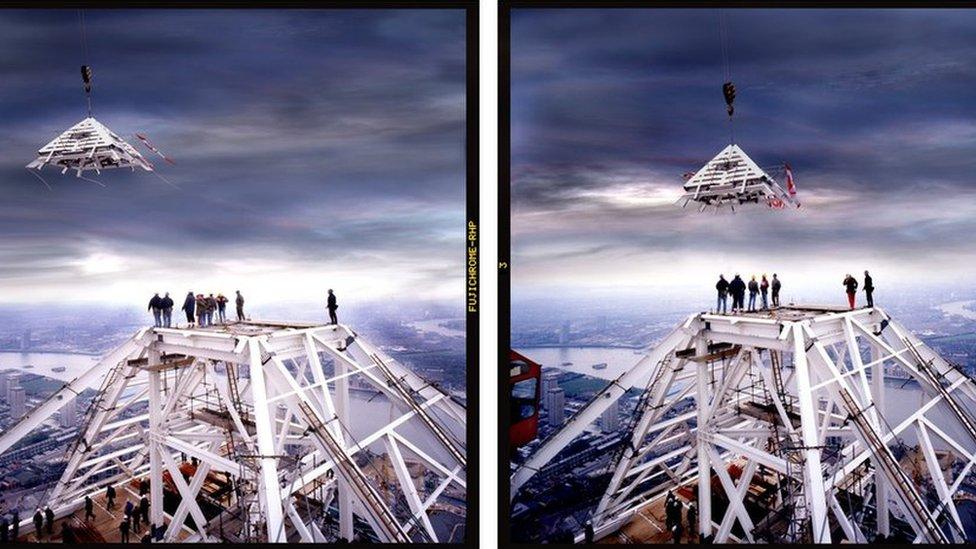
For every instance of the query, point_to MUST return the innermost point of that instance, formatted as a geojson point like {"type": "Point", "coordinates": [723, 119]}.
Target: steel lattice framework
{"type": "Point", "coordinates": [796, 395]}
{"type": "Point", "coordinates": [266, 406]}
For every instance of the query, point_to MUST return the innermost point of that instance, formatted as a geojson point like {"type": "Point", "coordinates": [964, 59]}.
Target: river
{"type": "Point", "coordinates": [44, 363]}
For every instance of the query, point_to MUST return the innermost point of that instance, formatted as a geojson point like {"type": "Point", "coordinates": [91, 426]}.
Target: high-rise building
{"type": "Point", "coordinates": [550, 380]}
{"type": "Point", "coordinates": [25, 340]}
{"type": "Point", "coordinates": [18, 402]}
{"type": "Point", "coordinates": [69, 413]}
{"type": "Point", "coordinates": [610, 418]}
{"type": "Point", "coordinates": [4, 384]}
{"type": "Point", "coordinates": [556, 406]}
{"type": "Point", "coordinates": [601, 323]}
{"type": "Point", "coordinates": [564, 333]}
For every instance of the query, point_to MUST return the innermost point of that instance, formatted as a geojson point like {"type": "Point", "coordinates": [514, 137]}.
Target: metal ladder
{"type": "Point", "coordinates": [358, 482]}
{"type": "Point", "coordinates": [643, 404]}
{"type": "Point", "coordinates": [896, 475]}
{"type": "Point", "coordinates": [935, 378]}
{"type": "Point", "coordinates": [398, 386]}
{"type": "Point", "coordinates": [110, 380]}
{"type": "Point", "coordinates": [249, 511]}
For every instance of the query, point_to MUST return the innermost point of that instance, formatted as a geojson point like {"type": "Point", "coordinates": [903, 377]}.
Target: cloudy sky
{"type": "Point", "coordinates": [874, 110]}
{"type": "Point", "coordinates": [313, 150]}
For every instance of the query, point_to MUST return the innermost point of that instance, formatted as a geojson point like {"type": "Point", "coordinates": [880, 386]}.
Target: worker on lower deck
{"type": "Point", "coordinates": [166, 304]}
{"type": "Point", "coordinates": [89, 507]}
{"type": "Point", "coordinates": [753, 290]}
{"type": "Point", "coordinates": [764, 292]}
{"type": "Point", "coordinates": [38, 523]}
{"type": "Point", "coordinates": [124, 531]}
{"type": "Point", "coordinates": [110, 496]}
{"type": "Point", "coordinates": [189, 305]}
{"type": "Point", "coordinates": [49, 519]}
{"type": "Point", "coordinates": [722, 286]}
{"type": "Point", "coordinates": [332, 306]}
{"type": "Point", "coordinates": [692, 520]}
{"type": "Point", "coordinates": [850, 284]}
{"type": "Point", "coordinates": [869, 289]}
{"type": "Point", "coordinates": [156, 306]}
{"type": "Point", "coordinates": [738, 290]}
{"type": "Point", "coordinates": [776, 285]}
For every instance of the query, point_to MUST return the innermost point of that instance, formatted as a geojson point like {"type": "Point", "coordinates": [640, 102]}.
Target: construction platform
{"type": "Point", "coordinates": [776, 422]}
{"type": "Point", "coordinates": [250, 432]}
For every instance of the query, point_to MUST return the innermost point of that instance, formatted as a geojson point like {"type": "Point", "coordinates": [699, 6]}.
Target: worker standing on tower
{"type": "Point", "coordinates": [753, 290]}
{"type": "Point", "coordinates": [166, 304]}
{"type": "Point", "coordinates": [240, 306]}
{"type": "Point", "coordinates": [332, 306]}
{"type": "Point", "coordinates": [722, 286]}
{"type": "Point", "coordinates": [155, 305]}
{"type": "Point", "coordinates": [776, 286]}
{"type": "Point", "coordinates": [738, 289]}
{"type": "Point", "coordinates": [850, 283]}
{"type": "Point", "coordinates": [222, 308]}
{"type": "Point", "coordinates": [189, 305]}
{"type": "Point", "coordinates": [869, 289]}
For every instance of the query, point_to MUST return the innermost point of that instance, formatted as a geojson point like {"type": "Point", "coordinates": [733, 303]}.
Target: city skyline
{"type": "Point", "coordinates": [313, 150]}
{"type": "Point", "coordinates": [872, 109]}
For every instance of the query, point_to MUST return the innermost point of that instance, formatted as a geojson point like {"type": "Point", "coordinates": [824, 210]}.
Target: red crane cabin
{"type": "Point", "coordinates": [523, 384]}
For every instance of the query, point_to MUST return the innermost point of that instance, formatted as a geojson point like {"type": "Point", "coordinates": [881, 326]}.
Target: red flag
{"type": "Point", "coordinates": [145, 141]}
{"type": "Point", "coordinates": [790, 186]}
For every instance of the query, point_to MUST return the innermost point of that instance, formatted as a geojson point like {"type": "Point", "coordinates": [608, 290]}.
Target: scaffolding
{"type": "Point", "coordinates": [266, 412]}
{"type": "Point", "coordinates": [789, 437]}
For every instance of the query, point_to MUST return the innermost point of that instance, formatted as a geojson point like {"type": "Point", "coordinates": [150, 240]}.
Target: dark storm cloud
{"type": "Point", "coordinates": [875, 111]}
{"type": "Point", "coordinates": [312, 138]}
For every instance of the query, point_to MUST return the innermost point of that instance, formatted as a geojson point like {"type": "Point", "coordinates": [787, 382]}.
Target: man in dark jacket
{"type": "Point", "coordinates": [156, 306]}
{"type": "Point", "coordinates": [850, 283]}
{"type": "Point", "coordinates": [110, 496]}
{"type": "Point", "coordinates": [753, 291]}
{"type": "Point", "coordinates": [189, 304]}
{"type": "Point", "coordinates": [89, 507]}
{"type": "Point", "coordinates": [49, 518]}
{"type": "Point", "coordinates": [776, 285]}
{"type": "Point", "coordinates": [144, 509]}
{"type": "Point", "coordinates": [332, 306]}
{"type": "Point", "coordinates": [166, 304]}
{"type": "Point", "coordinates": [15, 524]}
{"type": "Point", "coordinates": [4, 529]}
{"type": "Point", "coordinates": [869, 288]}
{"type": "Point", "coordinates": [240, 306]}
{"type": "Point", "coordinates": [124, 531]}
{"type": "Point", "coordinates": [38, 523]}
{"type": "Point", "coordinates": [722, 286]}
{"type": "Point", "coordinates": [738, 290]}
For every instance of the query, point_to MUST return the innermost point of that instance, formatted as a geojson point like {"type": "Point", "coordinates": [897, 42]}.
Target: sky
{"type": "Point", "coordinates": [874, 110]}
{"type": "Point", "coordinates": [312, 149]}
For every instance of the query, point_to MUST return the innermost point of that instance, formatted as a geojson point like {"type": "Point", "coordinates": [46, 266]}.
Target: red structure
{"type": "Point", "coordinates": [523, 384]}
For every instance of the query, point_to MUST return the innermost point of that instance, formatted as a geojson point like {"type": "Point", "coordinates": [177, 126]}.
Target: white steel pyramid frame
{"type": "Point", "coordinates": [89, 145]}
{"type": "Point", "coordinates": [256, 403]}
{"type": "Point", "coordinates": [732, 178]}
{"type": "Point", "coordinates": [821, 372]}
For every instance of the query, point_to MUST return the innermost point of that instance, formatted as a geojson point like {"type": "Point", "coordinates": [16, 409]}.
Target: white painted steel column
{"type": "Point", "coordinates": [704, 461]}
{"type": "Point", "coordinates": [880, 481]}
{"type": "Point", "coordinates": [155, 435]}
{"type": "Point", "coordinates": [812, 472]}
{"type": "Point", "coordinates": [268, 490]}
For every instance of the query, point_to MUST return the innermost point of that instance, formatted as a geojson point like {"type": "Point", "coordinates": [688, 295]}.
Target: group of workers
{"type": "Point", "coordinates": [762, 288]}
{"type": "Point", "coordinates": [199, 309]}
{"type": "Point", "coordinates": [737, 289]}
{"type": "Point", "coordinates": [672, 518]}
